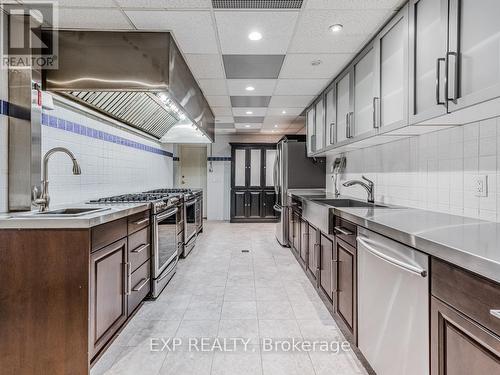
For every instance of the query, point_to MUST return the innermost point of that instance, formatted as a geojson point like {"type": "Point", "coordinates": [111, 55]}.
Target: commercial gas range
{"type": "Point", "coordinates": [193, 214]}
{"type": "Point", "coordinates": [167, 222]}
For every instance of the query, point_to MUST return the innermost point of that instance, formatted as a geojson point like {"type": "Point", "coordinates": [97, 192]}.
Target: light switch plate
{"type": "Point", "coordinates": [480, 185]}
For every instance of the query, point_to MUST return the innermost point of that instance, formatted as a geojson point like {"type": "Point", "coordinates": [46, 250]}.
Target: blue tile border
{"type": "Point", "coordinates": [219, 158]}
{"type": "Point", "coordinates": [86, 131]}
{"type": "Point", "coordinates": [8, 109]}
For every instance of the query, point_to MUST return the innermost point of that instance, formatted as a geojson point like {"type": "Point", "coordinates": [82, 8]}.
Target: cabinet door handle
{"type": "Point", "coordinates": [495, 313]}
{"type": "Point", "coordinates": [140, 248]}
{"type": "Point", "coordinates": [128, 281]}
{"type": "Point", "coordinates": [142, 221]}
{"type": "Point", "coordinates": [376, 112]}
{"type": "Point", "coordinates": [347, 125]}
{"type": "Point", "coordinates": [452, 79]}
{"type": "Point", "coordinates": [141, 284]}
{"type": "Point", "coordinates": [332, 126]}
{"type": "Point", "coordinates": [438, 80]}
{"type": "Point", "coordinates": [345, 232]}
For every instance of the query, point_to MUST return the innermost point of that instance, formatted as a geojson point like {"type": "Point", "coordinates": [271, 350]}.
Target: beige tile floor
{"type": "Point", "coordinates": [221, 292]}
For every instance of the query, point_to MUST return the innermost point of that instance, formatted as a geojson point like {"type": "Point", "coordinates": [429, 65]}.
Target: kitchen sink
{"type": "Point", "coordinates": [67, 212]}
{"type": "Point", "coordinates": [348, 203]}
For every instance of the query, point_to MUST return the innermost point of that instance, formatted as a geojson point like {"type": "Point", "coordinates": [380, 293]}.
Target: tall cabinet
{"type": "Point", "coordinates": [252, 182]}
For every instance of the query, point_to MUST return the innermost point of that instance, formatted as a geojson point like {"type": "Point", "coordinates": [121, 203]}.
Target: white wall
{"type": "Point", "coordinates": [3, 122]}
{"type": "Point", "coordinates": [219, 181]}
{"type": "Point", "coordinates": [434, 171]}
{"type": "Point", "coordinates": [108, 168]}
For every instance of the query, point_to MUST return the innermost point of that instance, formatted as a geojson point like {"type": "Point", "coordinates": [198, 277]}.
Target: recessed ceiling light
{"type": "Point", "coordinates": [336, 28]}
{"type": "Point", "coordinates": [249, 112]}
{"type": "Point", "coordinates": [249, 88]}
{"type": "Point", "coordinates": [255, 35]}
{"type": "Point", "coordinates": [276, 125]}
{"type": "Point", "coordinates": [247, 126]}
{"type": "Point", "coordinates": [283, 112]}
{"type": "Point", "coordinates": [316, 62]}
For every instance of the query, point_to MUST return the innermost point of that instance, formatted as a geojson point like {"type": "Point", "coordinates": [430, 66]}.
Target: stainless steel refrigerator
{"type": "Point", "coordinates": [294, 170]}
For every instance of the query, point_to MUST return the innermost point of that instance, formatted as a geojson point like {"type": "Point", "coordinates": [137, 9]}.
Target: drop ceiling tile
{"type": "Point", "coordinates": [288, 111]}
{"type": "Point", "coordinates": [222, 111]}
{"type": "Point", "coordinates": [227, 125]}
{"type": "Point", "coordinates": [278, 101]}
{"type": "Point", "coordinates": [102, 19]}
{"type": "Point", "coordinates": [276, 29]}
{"type": "Point", "coordinates": [247, 126]}
{"type": "Point", "coordinates": [253, 66]}
{"type": "Point", "coordinates": [218, 100]}
{"type": "Point", "coordinates": [166, 4]}
{"type": "Point", "coordinates": [250, 101]}
{"type": "Point", "coordinates": [248, 119]}
{"type": "Point", "coordinates": [300, 86]}
{"type": "Point", "coordinates": [87, 3]}
{"type": "Point", "coordinates": [213, 86]}
{"type": "Point", "coordinates": [261, 87]}
{"type": "Point", "coordinates": [224, 119]}
{"type": "Point", "coordinates": [313, 34]}
{"type": "Point", "coordinates": [193, 30]}
{"type": "Point", "coordinates": [354, 4]}
{"type": "Point", "coordinates": [278, 120]}
{"type": "Point", "coordinates": [242, 111]}
{"type": "Point", "coordinates": [205, 66]}
{"type": "Point", "coordinates": [299, 65]}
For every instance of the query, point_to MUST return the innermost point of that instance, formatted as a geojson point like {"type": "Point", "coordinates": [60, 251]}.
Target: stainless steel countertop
{"type": "Point", "coordinates": [469, 243]}
{"type": "Point", "coordinates": [24, 220]}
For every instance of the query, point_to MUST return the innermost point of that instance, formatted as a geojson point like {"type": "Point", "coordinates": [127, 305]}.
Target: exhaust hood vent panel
{"type": "Point", "coordinates": [138, 78]}
{"type": "Point", "coordinates": [140, 110]}
{"type": "Point", "coordinates": [257, 4]}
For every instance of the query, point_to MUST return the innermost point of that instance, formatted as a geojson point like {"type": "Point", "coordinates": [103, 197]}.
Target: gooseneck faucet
{"type": "Point", "coordinates": [44, 200]}
{"type": "Point", "coordinates": [369, 187]}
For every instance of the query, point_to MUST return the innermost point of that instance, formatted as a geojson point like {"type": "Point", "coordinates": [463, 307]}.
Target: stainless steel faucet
{"type": "Point", "coordinates": [44, 200]}
{"type": "Point", "coordinates": [369, 187]}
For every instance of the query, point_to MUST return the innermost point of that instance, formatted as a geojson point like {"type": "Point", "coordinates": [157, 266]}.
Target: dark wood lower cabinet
{"type": "Point", "coordinates": [327, 266]}
{"type": "Point", "coordinates": [296, 232]}
{"type": "Point", "coordinates": [460, 346]}
{"type": "Point", "coordinates": [253, 205]}
{"type": "Point", "coordinates": [304, 240]}
{"type": "Point", "coordinates": [313, 256]}
{"type": "Point", "coordinates": [108, 288]}
{"type": "Point", "coordinates": [346, 296]}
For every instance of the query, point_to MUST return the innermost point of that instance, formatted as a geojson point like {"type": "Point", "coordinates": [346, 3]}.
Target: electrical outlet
{"type": "Point", "coordinates": [480, 185]}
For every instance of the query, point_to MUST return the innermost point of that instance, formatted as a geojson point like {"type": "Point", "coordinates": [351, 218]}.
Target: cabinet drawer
{"type": "Point", "coordinates": [139, 248]}
{"type": "Point", "coordinates": [345, 230]}
{"type": "Point", "coordinates": [138, 221]}
{"type": "Point", "coordinates": [472, 295]}
{"type": "Point", "coordinates": [140, 285]}
{"type": "Point", "coordinates": [106, 234]}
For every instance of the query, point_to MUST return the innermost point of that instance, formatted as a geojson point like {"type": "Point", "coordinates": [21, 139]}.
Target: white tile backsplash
{"type": "Point", "coordinates": [433, 171]}
{"type": "Point", "coordinates": [107, 168]}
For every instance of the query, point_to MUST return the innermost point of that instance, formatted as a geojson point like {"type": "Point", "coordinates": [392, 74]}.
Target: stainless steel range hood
{"type": "Point", "coordinates": [137, 78]}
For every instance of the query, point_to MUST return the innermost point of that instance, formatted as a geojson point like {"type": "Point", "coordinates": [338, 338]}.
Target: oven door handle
{"type": "Point", "coordinates": [190, 203]}
{"type": "Point", "coordinates": [167, 214]}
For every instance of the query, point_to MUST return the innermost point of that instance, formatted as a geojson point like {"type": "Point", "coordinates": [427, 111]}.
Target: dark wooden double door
{"type": "Point", "coordinates": [252, 182]}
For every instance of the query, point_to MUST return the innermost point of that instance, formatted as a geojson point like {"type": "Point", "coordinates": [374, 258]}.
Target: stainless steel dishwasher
{"type": "Point", "coordinates": [393, 305]}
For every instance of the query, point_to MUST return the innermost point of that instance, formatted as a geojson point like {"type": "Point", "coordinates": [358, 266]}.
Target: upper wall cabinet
{"type": "Point", "coordinates": [365, 89]}
{"type": "Point", "coordinates": [473, 58]}
{"type": "Point", "coordinates": [428, 27]}
{"type": "Point", "coordinates": [330, 116]}
{"type": "Point", "coordinates": [344, 105]}
{"type": "Point", "coordinates": [390, 104]}
{"type": "Point", "coordinates": [310, 127]}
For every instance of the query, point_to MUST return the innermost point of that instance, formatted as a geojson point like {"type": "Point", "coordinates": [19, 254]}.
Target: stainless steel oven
{"type": "Point", "coordinates": [165, 254]}
{"type": "Point", "coordinates": [190, 224]}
